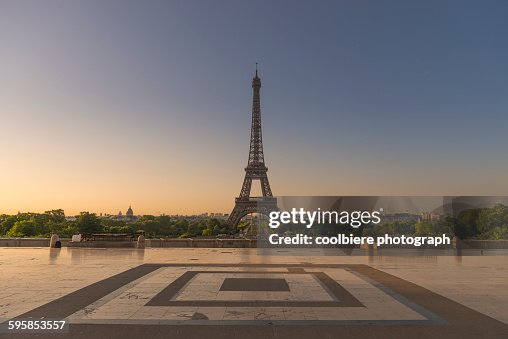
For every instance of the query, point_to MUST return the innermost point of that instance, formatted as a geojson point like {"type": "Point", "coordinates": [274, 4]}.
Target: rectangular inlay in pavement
{"type": "Point", "coordinates": [254, 284]}
{"type": "Point", "coordinates": [305, 289]}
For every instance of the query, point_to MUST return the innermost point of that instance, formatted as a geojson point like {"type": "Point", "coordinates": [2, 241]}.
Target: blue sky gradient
{"type": "Point", "coordinates": [110, 103]}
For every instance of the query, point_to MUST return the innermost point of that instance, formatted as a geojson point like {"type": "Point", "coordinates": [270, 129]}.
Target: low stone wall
{"type": "Point", "coordinates": [484, 244]}
{"type": "Point", "coordinates": [200, 243]}
{"type": "Point", "coordinates": [156, 243]}
{"type": "Point", "coordinates": [103, 244]}
{"type": "Point", "coordinates": [24, 242]}
{"type": "Point", "coordinates": [29, 242]}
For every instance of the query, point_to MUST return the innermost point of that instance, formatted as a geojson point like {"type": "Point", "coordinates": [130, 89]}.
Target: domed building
{"type": "Point", "coordinates": [129, 212]}
{"type": "Point", "coordinates": [128, 216]}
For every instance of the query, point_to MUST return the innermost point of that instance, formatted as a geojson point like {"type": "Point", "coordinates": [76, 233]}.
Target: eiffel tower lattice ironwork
{"type": "Point", "coordinates": [255, 170]}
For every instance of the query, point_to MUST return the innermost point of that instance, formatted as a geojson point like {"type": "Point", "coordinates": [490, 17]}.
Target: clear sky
{"type": "Point", "coordinates": [109, 103]}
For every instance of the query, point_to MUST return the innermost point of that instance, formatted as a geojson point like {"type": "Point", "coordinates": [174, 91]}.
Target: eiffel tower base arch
{"type": "Point", "coordinates": [252, 205]}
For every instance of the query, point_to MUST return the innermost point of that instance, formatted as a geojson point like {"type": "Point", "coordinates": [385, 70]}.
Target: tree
{"type": "Point", "coordinates": [120, 229]}
{"type": "Point", "coordinates": [466, 224]}
{"type": "Point", "coordinates": [427, 228]}
{"type": "Point", "coordinates": [491, 218]}
{"type": "Point", "coordinates": [42, 222]}
{"type": "Point", "coordinates": [65, 229]}
{"type": "Point", "coordinates": [7, 223]}
{"type": "Point", "coordinates": [23, 228]}
{"type": "Point", "coordinates": [89, 223]}
{"type": "Point", "coordinates": [56, 215]}
{"type": "Point", "coordinates": [182, 225]}
{"type": "Point", "coordinates": [403, 227]}
{"type": "Point", "coordinates": [500, 233]}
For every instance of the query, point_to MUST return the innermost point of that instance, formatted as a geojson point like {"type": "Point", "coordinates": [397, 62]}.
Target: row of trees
{"type": "Point", "coordinates": [478, 223]}
{"type": "Point", "coordinates": [54, 222]}
{"type": "Point", "coordinates": [481, 223]}
{"type": "Point", "coordinates": [413, 228]}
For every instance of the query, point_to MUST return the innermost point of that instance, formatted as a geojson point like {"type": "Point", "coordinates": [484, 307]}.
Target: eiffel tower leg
{"type": "Point", "coordinates": [265, 187]}
{"type": "Point", "coordinates": [246, 187]}
{"type": "Point", "coordinates": [234, 218]}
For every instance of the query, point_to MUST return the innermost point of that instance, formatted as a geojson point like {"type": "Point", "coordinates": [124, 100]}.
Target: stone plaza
{"type": "Point", "coordinates": [239, 293]}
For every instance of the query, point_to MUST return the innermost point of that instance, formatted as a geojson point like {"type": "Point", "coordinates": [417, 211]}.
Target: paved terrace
{"type": "Point", "coordinates": [236, 293]}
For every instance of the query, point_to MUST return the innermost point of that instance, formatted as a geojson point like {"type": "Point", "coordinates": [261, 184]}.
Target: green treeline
{"type": "Point", "coordinates": [479, 223]}
{"type": "Point", "coordinates": [54, 222]}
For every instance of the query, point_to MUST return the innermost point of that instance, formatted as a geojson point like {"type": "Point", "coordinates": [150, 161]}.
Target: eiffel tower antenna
{"type": "Point", "coordinates": [255, 170]}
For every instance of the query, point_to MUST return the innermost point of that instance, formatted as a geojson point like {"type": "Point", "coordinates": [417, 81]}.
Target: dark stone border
{"type": "Point", "coordinates": [77, 300]}
{"type": "Point", "coordinates": [342, 298]}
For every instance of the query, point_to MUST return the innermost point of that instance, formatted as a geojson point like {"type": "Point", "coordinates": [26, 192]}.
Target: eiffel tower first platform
{"type": "Point", "coordinates": [255, 170]}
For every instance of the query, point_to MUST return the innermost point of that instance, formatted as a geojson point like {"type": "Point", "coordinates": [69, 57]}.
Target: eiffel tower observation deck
{"type": "Point", "coordinates": [255, 170]}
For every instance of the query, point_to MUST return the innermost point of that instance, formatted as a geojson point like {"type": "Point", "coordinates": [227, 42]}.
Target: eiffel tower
{"type": "Point", "coordinates": [255, 170]}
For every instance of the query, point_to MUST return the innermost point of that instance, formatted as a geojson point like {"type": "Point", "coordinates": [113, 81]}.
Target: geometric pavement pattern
{"type": "Point", "coordinates": [162, 300]}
